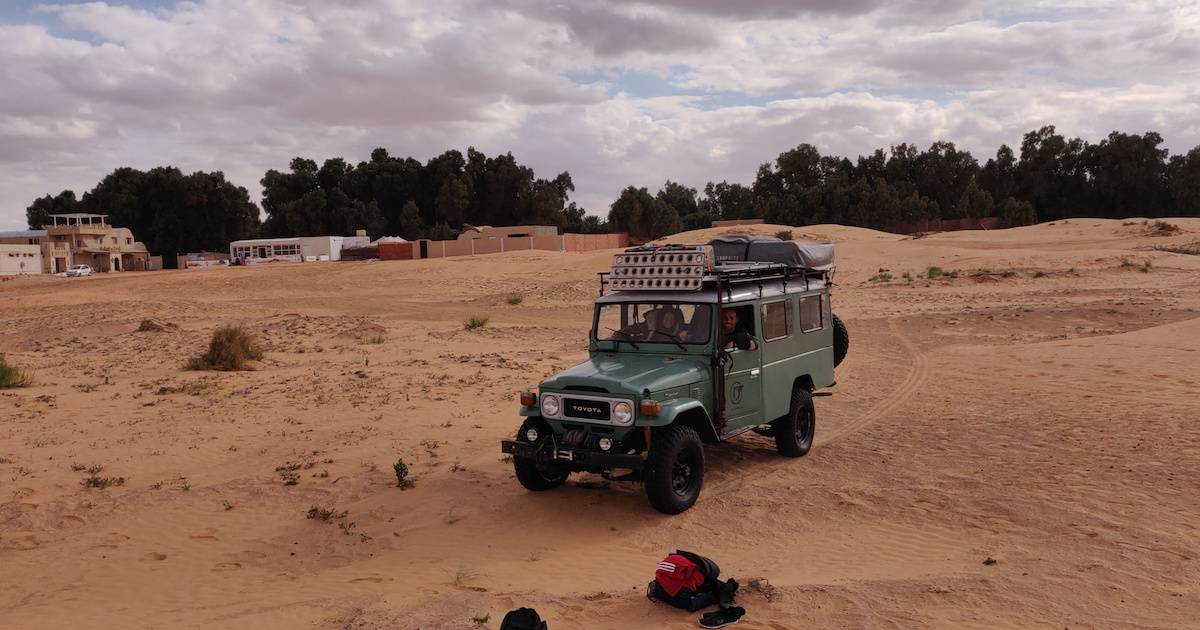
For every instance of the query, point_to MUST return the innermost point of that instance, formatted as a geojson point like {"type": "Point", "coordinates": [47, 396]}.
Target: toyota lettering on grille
{"type": "Point", "coordinates": [589, 409]}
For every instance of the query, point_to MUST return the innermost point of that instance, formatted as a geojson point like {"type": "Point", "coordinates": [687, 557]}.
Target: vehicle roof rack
{"type": "Point", "coordinates": [676, 267]}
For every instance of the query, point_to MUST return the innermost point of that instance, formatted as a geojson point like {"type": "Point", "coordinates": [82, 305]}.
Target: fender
{"type": "Point", "coordinates": [688, 411]}
{"type": "Point", "coordinates": [530, 412]}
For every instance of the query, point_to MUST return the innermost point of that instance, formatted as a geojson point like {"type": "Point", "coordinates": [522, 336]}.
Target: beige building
{"type": "Point", "coordinates": [509, 231]}
{"type": "Point", "coordinates": [19, 260]}
{"type": "Point", "coordinates": [83, 239]}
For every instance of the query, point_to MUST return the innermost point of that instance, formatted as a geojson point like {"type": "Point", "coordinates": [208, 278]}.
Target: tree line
{"type": "Point", "coordinates": [1052, 178]}
{"type": "Point", "coordinates": [175, 213]}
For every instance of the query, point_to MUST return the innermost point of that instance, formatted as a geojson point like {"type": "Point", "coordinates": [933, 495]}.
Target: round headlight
{"type": "Point", "coordinates": [550, 405]}
{"type": "Point", "coordinates": [531, 435]}
{"type": "Point", "coordinates": [623, 413]}
{"type": "Point", "coordinates": [605, 444]}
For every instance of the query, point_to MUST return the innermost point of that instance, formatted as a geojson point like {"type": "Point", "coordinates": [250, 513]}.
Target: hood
{"type": "Point", "coordinates": [631, 373]}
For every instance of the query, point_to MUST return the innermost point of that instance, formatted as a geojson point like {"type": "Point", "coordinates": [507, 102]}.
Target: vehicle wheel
{"type": "Point", "coordinates": [794, 432]}
{"type": "Point", "coordinates": [675, 469]}
{"type": "Point", "coordinates": [530, 473]}
{"type": "Point", "coordinates": [841, 341]}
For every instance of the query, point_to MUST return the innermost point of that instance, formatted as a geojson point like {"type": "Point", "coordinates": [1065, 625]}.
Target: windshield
{"type": "Point", "coordinates": [654, 322]}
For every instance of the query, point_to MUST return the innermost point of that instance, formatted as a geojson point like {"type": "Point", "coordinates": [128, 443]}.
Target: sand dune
{"type": "Point", "coordinates": [1037, 408]}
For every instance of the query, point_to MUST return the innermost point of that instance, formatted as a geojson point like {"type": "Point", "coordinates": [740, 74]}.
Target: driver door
{"type": "Point", "coordinates": [743, 384]}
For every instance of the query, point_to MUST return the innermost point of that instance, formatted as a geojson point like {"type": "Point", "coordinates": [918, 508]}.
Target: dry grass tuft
{"type": "Point", "coordinates": [230, 349]}
{"type": "Point", "coordinates": [13, 376]}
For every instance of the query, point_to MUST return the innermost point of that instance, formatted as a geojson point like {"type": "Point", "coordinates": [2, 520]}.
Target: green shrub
{"type": "Point", "coordinates": [12, 376]}
{"type": "Point", "coordinates": [475, 322]}
{"type": "Point", "coordinates": [515, 299]}
{"type": "Point", "coordinates": [785, 235]}
{"type": "Point", "coordinates": [325, 514]}
{"type": "Point", "coordinates": [401, 469]}
{"type": "Point", "coordinates": [882, 276]}
{"type": "Point", "coordinates": [229, 350]}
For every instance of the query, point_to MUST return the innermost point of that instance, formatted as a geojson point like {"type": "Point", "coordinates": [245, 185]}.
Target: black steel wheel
{"type": "Point", "coordinates": [674, 469]}
{"type": "Point", "coordinates": [794, 432]}
{"type": "Point", "coordinates": [533, 475]}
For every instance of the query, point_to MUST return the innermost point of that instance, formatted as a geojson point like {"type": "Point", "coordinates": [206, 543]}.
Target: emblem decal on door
{"type": "Point", "coordinates": [735, 393]}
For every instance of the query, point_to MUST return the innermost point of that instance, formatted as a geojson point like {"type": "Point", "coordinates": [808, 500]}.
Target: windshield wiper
{"type": "Point", "coordinates": [627, 336]}
{"type": "Point", "coordinates": [678, 341]}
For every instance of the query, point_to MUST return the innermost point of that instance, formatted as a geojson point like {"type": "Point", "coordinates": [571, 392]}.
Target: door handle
{"type": "Point", "coordinates": [754, 373]}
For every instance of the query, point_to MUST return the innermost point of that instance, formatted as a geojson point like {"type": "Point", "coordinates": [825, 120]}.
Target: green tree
{"type": "Point", "coordinates": [974, 204]}
{"type": "Point", "coordinates": [411, 226]}
{"type": "Point", "coordinates": [679, 197]}
{"type": "Point", "coordinates": [1183, 181]}
{"type": "Point", "coordinates": [38, 213]}
{"type": "Point", "coordinates": [1014, 213]}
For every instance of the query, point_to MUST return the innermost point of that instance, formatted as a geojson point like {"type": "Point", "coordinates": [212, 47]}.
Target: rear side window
{"type": "Point", "coordinates": [776, 323]}
{"type": "Point", "coordinates": [811, 313]}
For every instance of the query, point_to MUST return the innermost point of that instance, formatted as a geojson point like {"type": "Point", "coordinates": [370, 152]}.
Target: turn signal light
{"type": "Point", "coordinates": [528, 399]}
{"type": "Point", "coordinates": [651, 407]}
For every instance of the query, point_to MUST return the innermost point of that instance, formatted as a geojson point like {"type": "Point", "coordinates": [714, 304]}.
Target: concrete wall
{"type": "Point", "coordinates": [590, 242]}
{"type": "Point", "coordinates": [20, 260]}
{"type": "Point", "coordinates": [398, 251]}
{"type": "Point", "coordinates": [563, 243]}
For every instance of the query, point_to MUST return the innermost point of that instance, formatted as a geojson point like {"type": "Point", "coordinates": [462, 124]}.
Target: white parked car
{"type": "Point", "coordinates": [79, 270]}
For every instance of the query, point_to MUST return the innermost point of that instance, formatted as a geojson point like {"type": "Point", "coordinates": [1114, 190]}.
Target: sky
{"type": "Point", "coordinates": [617, 92]}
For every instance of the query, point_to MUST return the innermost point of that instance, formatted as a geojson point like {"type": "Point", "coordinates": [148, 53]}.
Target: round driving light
{"type": "Point", "coordinates": [623, 413]}
{"type": "Point", "coordinates": [605, 444]}
{"type": "Point", "coordinates": [550, 405]}
{"type": "Point", "coordinates": [531, 435]}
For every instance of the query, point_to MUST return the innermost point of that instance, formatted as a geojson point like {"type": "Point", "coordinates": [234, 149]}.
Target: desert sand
{"type": "Point", "coordinates": [1014, 447]}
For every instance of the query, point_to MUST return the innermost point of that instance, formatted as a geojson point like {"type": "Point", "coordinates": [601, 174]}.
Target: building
{"type": "Point", "coordinates": [83, 239]}
{"type": "Point", "coordinates": [495, 240]}
{"type": "Point", "coordinates": [20, 259]}
{"type": "Point", "coordinates": [195, 260]}
{"type": "Point", "coordinates": [509, 231]}
{"type": "Point", "coordinates": [294, 249]}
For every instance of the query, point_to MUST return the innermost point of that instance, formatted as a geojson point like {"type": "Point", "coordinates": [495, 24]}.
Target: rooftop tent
{"type": "Point", "coordinates": [749, 248]}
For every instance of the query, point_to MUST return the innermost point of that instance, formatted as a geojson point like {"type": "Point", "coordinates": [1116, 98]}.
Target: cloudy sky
{"type": "Point", "coordinates": [618, 92]}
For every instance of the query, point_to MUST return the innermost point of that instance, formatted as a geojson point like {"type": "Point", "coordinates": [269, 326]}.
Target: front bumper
{"type": "Point", "coordinates": [547, 452]}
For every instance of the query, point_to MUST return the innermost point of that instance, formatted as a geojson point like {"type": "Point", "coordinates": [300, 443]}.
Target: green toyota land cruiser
{"type": "Point", "coordinates": [694, 344]}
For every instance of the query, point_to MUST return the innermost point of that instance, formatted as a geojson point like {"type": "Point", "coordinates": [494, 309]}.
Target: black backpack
{"type": "Point", "coordinates": [706, 595]}
{"type": "Point", "coordinates": [523, 619]}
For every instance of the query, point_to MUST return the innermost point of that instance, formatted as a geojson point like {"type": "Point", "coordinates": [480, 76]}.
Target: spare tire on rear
{"type": "Point", "coordinates": [841, 341]}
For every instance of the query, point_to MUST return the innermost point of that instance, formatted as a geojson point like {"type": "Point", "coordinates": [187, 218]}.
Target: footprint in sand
{"type": "Point", "coordinates": [375, 579]}
{"type": "Point", "coordinates": [22, 543]}
{"type": "Point", "coordinates": [70, 520]}
{"type": "Point", "coordinates": [227, 566]}
{"type": "Point", "coordinates": [112, 540]}
{"type": "Point", "coordinates": [154, 555]}
{"type": "Point", "coordinates": [204, 537]}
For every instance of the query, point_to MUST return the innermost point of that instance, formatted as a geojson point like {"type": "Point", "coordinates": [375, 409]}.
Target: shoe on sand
{"type": "Point", "coordinates": [722, 618]}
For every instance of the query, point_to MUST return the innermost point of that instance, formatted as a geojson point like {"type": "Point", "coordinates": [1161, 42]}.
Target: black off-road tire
{"type": "Point", "coordinates": [841, 341]}
{"type": "Point", "coordinates": [534, 476]}
{"type": "Point", "coordinates": [675, 469]}
{"type": "Point", "coordinates": [794, 432]}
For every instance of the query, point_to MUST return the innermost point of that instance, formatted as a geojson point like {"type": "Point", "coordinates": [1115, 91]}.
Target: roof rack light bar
{"type": "Point", "coordinates": [667, 268]}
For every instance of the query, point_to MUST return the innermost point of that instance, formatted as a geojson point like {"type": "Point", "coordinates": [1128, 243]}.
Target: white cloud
{"type": "Point", "coordinates": [243, 86]}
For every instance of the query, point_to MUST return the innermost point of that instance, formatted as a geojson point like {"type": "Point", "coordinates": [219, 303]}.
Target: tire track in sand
{"type": "Point", "coordinates": [908, 388]}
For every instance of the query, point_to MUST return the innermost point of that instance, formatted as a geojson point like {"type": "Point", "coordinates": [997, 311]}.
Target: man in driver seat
{"type": "Point", "coordinates": [733, 335]}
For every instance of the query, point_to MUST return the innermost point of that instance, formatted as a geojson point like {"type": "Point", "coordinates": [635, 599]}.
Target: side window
{"type": "Point", "coordinates": [776, 324]}
{"type": "Point", "coordinates": [810, 313]}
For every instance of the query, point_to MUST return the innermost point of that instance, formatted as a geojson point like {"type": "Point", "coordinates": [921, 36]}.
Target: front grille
{"type": "Point", "coordinates": [589, 409]}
